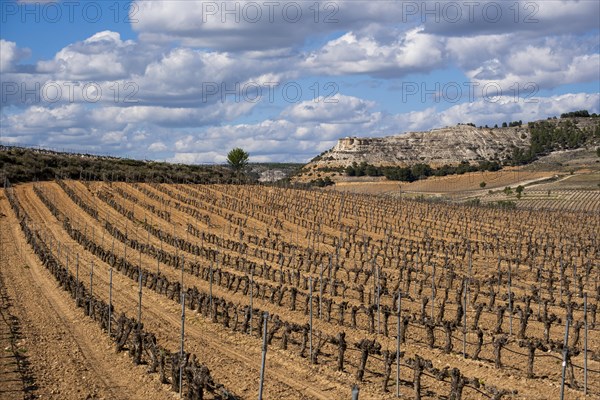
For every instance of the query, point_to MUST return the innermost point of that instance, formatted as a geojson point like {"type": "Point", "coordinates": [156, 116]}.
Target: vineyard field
{"type": "Point", "coordinates": [469, 302]}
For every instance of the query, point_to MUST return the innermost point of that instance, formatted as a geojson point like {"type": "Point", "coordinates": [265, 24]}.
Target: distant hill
{"type": "Point", "coordinates": [512, 145]}
{"type": "Point", "coordinates": [22, 164]}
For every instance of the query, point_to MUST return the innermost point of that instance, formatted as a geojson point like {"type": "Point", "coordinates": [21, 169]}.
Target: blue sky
{"type": "Point", "coordinates": [185, 81]}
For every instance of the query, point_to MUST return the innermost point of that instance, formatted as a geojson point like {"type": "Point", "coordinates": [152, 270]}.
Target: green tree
{"type": "Point", "coordinates": [237, 159]}
{"type": "Point", "coordinates": [580, 113]}
{"type": "Point", "coordinates": [350, 171]}
{"type": "Point", "coordinates": [420, 171]}
{"type": "Point", "coordinates": [519, 191]}
{"type": "Point", "coordinates": [482, 185]}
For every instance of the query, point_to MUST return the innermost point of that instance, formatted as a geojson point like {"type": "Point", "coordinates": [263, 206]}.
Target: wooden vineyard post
{"type": "Point", "coordinates": [378, 302]}
{"type": "Point", "coordinates": [510, 307]}
{"type": "Point", "coordinates": [148, 238]}
{"type": "Point", "coordinates": [310, 318]}
{"type": "Point", "coordinates": [140, 295]}
{"type": "Point", "coordinates": [330, 266]}
{"type": "Point", "coordinates": [470, 276]}
{"type": "Point", "coordinates": [201, 245]}
{"type": "Point", "coordinates": [161, 250]}
{"type": "Point", "coordinates": [110, 273]}
{"type": "Point", "coordinates": [264, 355]}
{"type": "Point", "coordinates": [1, 243]}
{"type": "Point", "coordinates": [112, 251]}
{"type": "Point", "coordinates": [140, 289]}
{"type": "Point", "coordinates": [585, 344]}
{"type": "Point", "coordinates": [398, 346]}
{"type": "Point", "coordinates": [499, 283]}
{"type": "Point", "coordinates": [465, 319]}
{"type": "Point", "coordinates": [251, 290]}
{"type": "Point", "coordinates": [181, 344]}
{"type": "Point", "coordinates": [321, 291]}
{"type": "Point", "coordinates": [564, 362]}
{"type": "Point", "coordinates": [539, 296]}
{"type": "Point", "coordinates": [561, 279]}
{"type": "Point", "coordinates": [210, 296]}
{"type": "Point", "coordinates": [372, 268]}
{"type": "Point", "coordinates": [125, 244]}
{"type": "Point", "coordinates": [77, 279]}
{"type": "Point", "coordinates": [182, 269]}
{"type": "Point", "coordinates": [417, 268]}
{"type": "Point", "coordinates": [433, 291]}
{"type": "Point", "coordinates": [91, 285]}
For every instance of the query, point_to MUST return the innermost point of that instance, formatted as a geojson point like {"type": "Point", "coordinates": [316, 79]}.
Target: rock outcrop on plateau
{"type": "Point", "coordinates": [436, 147]}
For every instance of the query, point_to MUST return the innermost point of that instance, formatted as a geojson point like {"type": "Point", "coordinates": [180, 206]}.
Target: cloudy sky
{"type": "Point", "coordinates": [186, 81]}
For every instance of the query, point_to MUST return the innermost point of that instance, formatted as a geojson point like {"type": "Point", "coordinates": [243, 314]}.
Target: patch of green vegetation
{"type": "Point", "coordinates": [419, 171]}
{"type": "Point", "coordinates": [506, 204]}
{"type": "Point", "coordinates": [322, 182]}
{"type": "Point", "coordinates": [23, 165]}
{"type": "Point", "coordinates": [331, 169]}
{"type": "Point", "coordinates": [519, 191]}
{"type": "Point", "coordinates": [580, 113]}
{"type": "Point", "coordinates": [512, 124]}
{"type": "Point", "coordinates": [548, 136]}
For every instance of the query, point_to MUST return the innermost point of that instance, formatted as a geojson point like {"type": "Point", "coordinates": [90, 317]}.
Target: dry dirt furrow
{"type": "Point", "coordinates": [173, 317]}
{"type": "Point", "coordinates": [352, 336]}
{"type": "Point", "coordinates": [223, 349]}
{"type": "Point", "coordinates": [15, 373]}
{"type": "Point", "coordinates": [128, 301]}
{"type": "Point", "coordinates": [70, 357]}
{"type": "Point", "coordinates": [481, 368]}
{"type": "Point", "coordinates": [488, 318]}
{"type": "Point", "coordinates": [174, 275]}
{"type": "Point", "coordinates": [162, 319]}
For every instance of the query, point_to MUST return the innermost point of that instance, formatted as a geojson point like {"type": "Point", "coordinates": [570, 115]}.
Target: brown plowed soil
{"type": "Point", "coordinates": [71, 358]}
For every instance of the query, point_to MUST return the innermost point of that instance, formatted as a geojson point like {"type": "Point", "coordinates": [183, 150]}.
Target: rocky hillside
{"type": "Point", "coordinates": [437, 147]}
